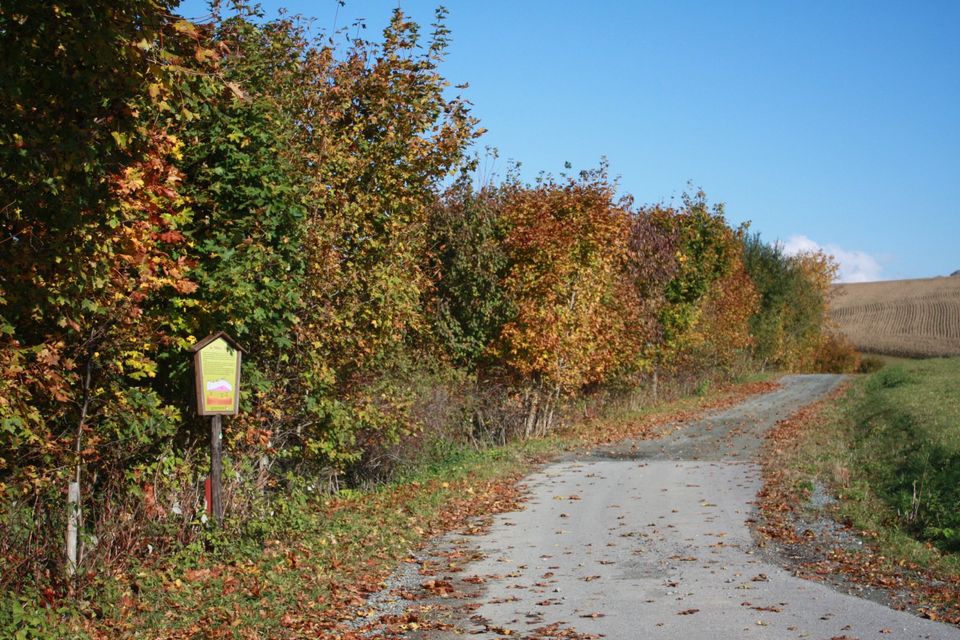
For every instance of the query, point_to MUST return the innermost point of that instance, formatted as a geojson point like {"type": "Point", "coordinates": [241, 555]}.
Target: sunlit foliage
{"type": "Point", "coordinates": [161, 180]}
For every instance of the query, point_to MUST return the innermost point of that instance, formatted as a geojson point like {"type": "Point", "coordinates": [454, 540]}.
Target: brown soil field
{"type": "Point", "coordinates": [913, 318]}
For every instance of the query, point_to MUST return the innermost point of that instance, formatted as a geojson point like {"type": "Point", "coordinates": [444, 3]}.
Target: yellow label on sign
{"type": "Point", "coordinates": [220, 368]}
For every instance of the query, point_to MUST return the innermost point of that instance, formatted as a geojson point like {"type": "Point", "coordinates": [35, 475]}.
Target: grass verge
{"type": "Point", "coordinates": [886, 451]}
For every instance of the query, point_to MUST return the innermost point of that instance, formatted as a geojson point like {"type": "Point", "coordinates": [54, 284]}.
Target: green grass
{"type": "Point", "coordinates": [890, 451]}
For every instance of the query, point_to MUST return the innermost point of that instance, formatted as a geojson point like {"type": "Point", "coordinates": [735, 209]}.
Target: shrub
{"type": "Point", "coordinates": [836, 355]}
{"type": "Point", "coordinates": [871, 364]}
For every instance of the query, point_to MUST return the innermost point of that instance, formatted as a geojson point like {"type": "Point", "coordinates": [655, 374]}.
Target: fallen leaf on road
{"type": "Point", "coordinates": [438, 587]}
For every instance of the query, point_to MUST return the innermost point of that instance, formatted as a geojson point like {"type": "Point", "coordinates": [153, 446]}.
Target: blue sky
{"type": "Point", "coordinates": [832, 124]}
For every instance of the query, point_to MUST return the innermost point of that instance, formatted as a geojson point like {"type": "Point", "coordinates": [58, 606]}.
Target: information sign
{"type": "Point", "coordinates": [217, 364]}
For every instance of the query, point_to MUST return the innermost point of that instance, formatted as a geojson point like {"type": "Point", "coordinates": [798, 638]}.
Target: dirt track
{"type": "Point", "coordinates": [650, 539]}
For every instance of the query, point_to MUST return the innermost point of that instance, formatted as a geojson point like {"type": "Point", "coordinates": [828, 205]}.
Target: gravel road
{"type": "Point", "coordinates": [650, 539]}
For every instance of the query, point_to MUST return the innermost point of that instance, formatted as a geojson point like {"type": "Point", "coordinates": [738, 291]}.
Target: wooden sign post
{"type": "Point", "coordinates": [216, 361]}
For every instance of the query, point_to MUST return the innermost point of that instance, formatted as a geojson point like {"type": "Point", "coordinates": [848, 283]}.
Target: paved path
{"type": "Point", "coordinates": [650, 539]}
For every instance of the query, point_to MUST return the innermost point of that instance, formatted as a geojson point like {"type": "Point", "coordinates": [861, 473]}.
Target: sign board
{"type": "Point", "coordinates": [217, 368]}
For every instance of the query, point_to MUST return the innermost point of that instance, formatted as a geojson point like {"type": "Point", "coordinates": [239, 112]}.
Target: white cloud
{"type": "Point", "coordinates": [855, 266]}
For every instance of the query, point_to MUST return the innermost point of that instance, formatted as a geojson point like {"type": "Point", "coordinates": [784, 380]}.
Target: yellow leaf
{"type": "Point", "coordinates": [185, 27]}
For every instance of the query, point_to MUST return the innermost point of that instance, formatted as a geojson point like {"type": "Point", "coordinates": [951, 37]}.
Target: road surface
{"type": "Point", "coordinates": [650, 539]}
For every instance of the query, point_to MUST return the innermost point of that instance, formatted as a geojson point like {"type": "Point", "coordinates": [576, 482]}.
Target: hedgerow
{"type": "Point", "coordinates": [161, 180]}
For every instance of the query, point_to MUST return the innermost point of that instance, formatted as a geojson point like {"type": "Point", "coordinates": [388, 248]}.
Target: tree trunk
{"type": "Point", "coordinates": [73, 520]}
{"type": "Point", "coordinates": [656, 381]}
{"type": "Point", "coordinates": [533, 405]}
{"type": "Point", "coordinates": [75, 549]}
{"type": "Point", "coordinates": [546, 417]}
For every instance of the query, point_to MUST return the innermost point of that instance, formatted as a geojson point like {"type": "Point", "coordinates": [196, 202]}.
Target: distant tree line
{"type": "Point", "coordinates": [317, 199]}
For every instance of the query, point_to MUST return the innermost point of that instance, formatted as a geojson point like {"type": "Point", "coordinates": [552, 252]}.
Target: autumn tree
{"type": "Point", "coordinates": [567, 246]}
{"type": "Point", "coordinates": [470, 263]}
{"type": "Point", "coordinates": [705, 254]}
{"type": "Point", "coordinates": [651, 264]}
{"type": "Point", "coordinates": [792, 322]}
{"type": "Point", "coordinates": [724, 325]}
{"type": "Point", "coordinates": [379, 136]}
{"type": "Point", "coordinates": [91, 211]}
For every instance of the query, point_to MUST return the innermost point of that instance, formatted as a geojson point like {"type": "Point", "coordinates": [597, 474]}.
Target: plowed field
{"type": "Point", "coordinates": [913, 318]}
